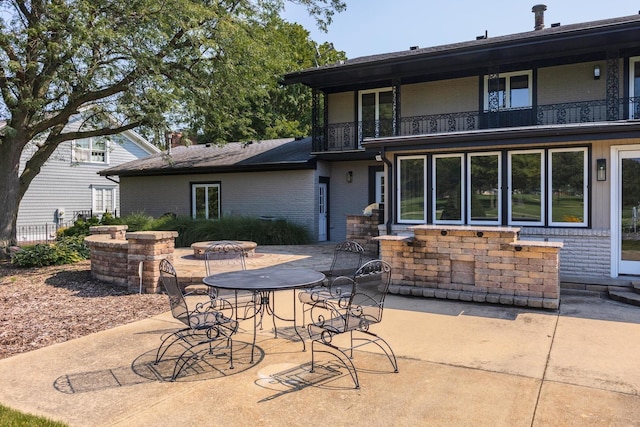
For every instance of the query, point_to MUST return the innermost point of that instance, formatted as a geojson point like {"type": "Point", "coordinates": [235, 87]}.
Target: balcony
{"type": "Point", "coordinates": [348, 136]}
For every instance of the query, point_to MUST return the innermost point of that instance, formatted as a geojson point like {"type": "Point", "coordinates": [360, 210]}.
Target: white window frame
{"type": "Point", "coordinates": [85, 155]}
{"type": "Point", "coordinates": [377, 108]}
{"type": "Point", "coordinates": [107, 191]}
{"type": "Point", "coordinates": [585, 188]}
{"type": "Point", "coordinates": [469, 186]}
{"type": "Point", "coordinates": [424, 190]}
{"type": "Point", "coordinates": [507, 89]}
{"type": "Point", "coordinates": [379, 185]}
{"type": "Point", "coordinates": [632, 62]}
{"type": "Point", "coordinates": [194, 186]}
{"type": "Point", "coordinates": [463, 189]}
{"type": "Point", "coordinates": [543, 191]}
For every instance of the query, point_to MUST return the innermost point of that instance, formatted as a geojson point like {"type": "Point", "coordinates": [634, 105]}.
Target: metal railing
{"type": "Point", "coordinates": [47, 232]}
{"type": "Point", "coordinates": [348, 136]}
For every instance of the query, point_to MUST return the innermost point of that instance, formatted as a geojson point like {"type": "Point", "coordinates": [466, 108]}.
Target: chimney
{"type": "Point", "coordinates": [538, 10]}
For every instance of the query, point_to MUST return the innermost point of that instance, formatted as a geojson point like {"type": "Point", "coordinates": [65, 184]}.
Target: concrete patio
{"type": "Point", "coordinates": [459, 364]}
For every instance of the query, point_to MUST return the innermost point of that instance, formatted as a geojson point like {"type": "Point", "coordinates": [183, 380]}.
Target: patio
{"type": "Point", "coordinates": [460, 364]}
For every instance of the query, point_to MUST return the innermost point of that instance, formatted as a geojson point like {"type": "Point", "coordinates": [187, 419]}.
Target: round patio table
{"type": "Point", "coordinates": [263, 282]}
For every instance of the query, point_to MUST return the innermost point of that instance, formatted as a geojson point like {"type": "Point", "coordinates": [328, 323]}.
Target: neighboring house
{"type": "Point", "coordinates": [69, 185]}
{"type": "Point", "coordinates": [537, 130]}
{"type": "Point", "coordinates": [269, 179]}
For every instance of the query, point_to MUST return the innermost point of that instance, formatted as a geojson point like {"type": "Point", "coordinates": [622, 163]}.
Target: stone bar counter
{"type": "Point", "coordinates": [474, 263]}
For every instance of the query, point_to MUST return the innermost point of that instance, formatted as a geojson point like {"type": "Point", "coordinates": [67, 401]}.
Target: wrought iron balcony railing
{"type": "Point", "coordinates": [348, 136]}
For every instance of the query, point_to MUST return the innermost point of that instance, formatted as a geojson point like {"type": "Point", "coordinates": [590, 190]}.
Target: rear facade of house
{"type": "Point", "coordinates": [538, 130]}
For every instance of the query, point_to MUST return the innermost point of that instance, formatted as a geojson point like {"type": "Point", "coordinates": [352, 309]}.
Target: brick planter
{"type": "Point", "coordinates": [117, 258]}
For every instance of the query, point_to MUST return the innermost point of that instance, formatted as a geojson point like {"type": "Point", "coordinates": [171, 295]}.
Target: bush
{"type": "Point", "coordinates": [67, 250]}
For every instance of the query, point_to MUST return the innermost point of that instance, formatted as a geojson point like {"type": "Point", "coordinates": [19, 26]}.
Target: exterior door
{"type": "Point", "coordinates": [627, 243]}
{"type": "Point", "coordinates": [322, 212]}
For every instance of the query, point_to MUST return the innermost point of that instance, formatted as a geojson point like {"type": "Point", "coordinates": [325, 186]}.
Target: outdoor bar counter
{"type": "Point", "coordinates": [474, 263]}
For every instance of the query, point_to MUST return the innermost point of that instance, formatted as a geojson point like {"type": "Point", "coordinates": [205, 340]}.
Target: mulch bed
{"type": "Point", "coordinates": [48, 305]}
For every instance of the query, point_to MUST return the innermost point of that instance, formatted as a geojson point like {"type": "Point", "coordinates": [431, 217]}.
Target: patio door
{"type": "Point", "coordinates": [627, 212]}
{"type": "Point", "coordinates": [322, 212]}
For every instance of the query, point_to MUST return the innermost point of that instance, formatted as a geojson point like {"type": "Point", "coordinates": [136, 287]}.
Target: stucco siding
{"type": "Point", "coordinates": [341, 107]}
{"type": "Point", "coordinates": [443, 96]}
{"type": "Point", "coordinates": [571, 83]}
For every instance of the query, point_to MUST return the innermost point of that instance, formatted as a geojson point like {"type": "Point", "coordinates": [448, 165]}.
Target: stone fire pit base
{"type": "Point", "coordinates": [199, 248]}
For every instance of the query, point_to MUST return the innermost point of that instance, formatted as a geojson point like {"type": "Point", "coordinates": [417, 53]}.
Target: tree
{"type": "Point", "coordinates": [135, 60]}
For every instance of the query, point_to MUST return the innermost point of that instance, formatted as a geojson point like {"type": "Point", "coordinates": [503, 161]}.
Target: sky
{"type": "Point", "coordinates": [370, 27]}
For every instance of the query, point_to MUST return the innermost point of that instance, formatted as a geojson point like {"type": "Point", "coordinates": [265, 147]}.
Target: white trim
{"type": "Point", "coordinates": [85, 155]}
{"type": "Point", "coordinates": [462, 189]}
{"type": "Point", "coordinates": [206, 204]}
{"type": "Point", "coordinates": [379, 187]}
{"type": "Point", "coordinates": [104, 190]}
{"type": "Point", "coordinates": [424, 190]}
{"type": "Point", "coordinates": [632, 61]}
{"type": "Point", "coordinates": [499, 189]}
{"type": "Point", "coordinates": [585, 188]}
{"type": "Point", "coordinates": [377, 104]}
{"type": "Point", "coordinates": [543, 193]}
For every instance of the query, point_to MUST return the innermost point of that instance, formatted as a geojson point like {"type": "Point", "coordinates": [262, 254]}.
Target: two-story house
{"type": "Point", "coordinates": [537, 130]}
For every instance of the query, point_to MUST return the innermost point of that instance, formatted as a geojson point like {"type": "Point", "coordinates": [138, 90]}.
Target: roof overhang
{"type": "Point", "coordinates": [554, 44]}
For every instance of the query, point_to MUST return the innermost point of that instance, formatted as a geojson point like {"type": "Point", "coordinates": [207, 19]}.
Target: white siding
{"type": "Point", "coordinates": [64, 184]}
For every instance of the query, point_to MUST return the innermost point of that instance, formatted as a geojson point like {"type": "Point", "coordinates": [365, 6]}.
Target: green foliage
{"type": "Point", "coordinates": [42, 254]}
{"type": "Point", "coordinates": [278, 232]}
{"type": "Point", "coordinates": [144, 65]}
{"type": "Point", "coordinates": [13, 418]}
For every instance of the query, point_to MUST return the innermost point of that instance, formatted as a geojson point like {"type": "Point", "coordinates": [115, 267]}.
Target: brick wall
{"type": "Point", "coordinates": [363, 229]}
{"type": "Point", "coordinates": [482, 264]}
{"type": "Point", "coordinates": [117, 259]}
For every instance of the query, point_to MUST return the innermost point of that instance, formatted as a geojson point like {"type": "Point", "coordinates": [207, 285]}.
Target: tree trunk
{"type": "Point", "coordinates": [10, 194]}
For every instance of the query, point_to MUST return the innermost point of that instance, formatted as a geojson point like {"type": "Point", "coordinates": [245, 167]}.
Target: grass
{"type": "Point", "coordinates": [13, 418]}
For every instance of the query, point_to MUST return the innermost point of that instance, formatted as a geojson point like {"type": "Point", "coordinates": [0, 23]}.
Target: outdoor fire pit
{"type": "Point", "coordinates": [199, 248]}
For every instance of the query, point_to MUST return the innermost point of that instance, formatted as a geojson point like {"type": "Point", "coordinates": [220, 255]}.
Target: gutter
{"type": "Point", "coordinates": [391, 209]}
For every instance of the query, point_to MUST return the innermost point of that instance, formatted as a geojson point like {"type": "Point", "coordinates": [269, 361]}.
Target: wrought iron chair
{"type": "Point", "coordinates": [353, 314]}
{"type": "Point", "coordinates": [209, 323]}
{"type": "Point", "coordinates": [229, 256]}
{"type": "Point", "coordinates": [347, 258]}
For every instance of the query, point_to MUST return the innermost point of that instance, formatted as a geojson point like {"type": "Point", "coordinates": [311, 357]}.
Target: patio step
{"type": "Point", "coordinates": [628, 295]}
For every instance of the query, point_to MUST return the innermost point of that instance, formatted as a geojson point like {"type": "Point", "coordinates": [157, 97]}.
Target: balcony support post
{"type": "Point", "coordinates": [613, 85]}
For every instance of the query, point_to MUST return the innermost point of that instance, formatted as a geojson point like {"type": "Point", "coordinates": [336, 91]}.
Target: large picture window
{"type": "Point", "coordinates": [484, 201]}
{"type": "Point", "coordinates": [526, 187]}
{"type": "Point", "coordinates": [544, 187]}
{"type": "Point", "coordinates": [411, 197]}
{"type": "Point", "coordinates": [205, 201]}
{"type": "Point", "coordinates": [568, 183]}
{"type": "Point", "coordinates": [448, 184]}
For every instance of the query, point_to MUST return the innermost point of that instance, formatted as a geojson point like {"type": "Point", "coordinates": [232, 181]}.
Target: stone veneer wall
{"type": "Point", "coordinates": [116, 256]}
{"type": "Point", "coordinates": [482, 264]}
{"type": "Point", "coordinates": [363, 229]}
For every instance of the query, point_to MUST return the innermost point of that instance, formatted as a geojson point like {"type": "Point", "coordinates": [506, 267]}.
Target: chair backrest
{"type": "Point", "coordinates": [169, 280]}
{"type": "Point", "coordinates": [224, 256]}
{"type": "Point", "coordinates": [347, 258]}
{"type": "Point", "coordinates": [372, 282]}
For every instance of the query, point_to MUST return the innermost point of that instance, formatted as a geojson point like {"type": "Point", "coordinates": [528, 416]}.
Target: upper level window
{"type": "Point", "coordinates": [90, 150]}
{"type": "Point", "coordinates": [509, 90]}
{"type": "Point", "coordinates": [634, 88]}
{"type": "Point", "coordinates": [375, 112]}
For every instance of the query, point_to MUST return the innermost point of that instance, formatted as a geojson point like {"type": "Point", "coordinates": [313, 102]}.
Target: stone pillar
{"type": "Point", "coordinates": [363, 229]}
{"type": "Point", "coordinates": [148, 247]}
{"type": "Point", "coordinates": [117, 232]}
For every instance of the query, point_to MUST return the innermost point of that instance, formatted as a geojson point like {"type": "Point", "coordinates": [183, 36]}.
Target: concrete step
{"type": "Point", "coordinates": [626, 296]}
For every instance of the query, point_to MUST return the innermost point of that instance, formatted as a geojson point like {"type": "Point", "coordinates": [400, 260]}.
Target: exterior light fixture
{"type": "Point", "coordinates": [596, 72]}
{"type": "Point", "coordinates": [601, 169]}
{"type": "Point", "coordinates": [349, 176]}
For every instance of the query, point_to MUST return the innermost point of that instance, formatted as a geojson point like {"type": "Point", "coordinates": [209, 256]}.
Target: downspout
{"type": "Point", "coordinates": [391, 210]}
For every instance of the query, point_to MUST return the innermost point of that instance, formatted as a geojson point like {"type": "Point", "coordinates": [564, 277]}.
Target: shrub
{"type": "Point", "coordinates": [67, 250]}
